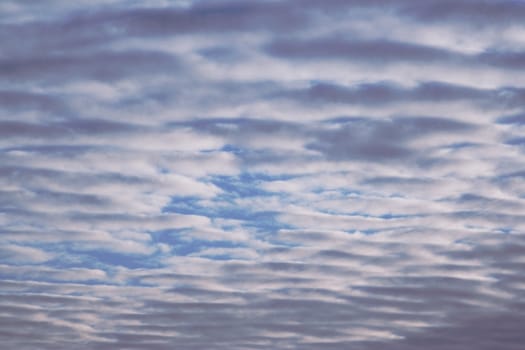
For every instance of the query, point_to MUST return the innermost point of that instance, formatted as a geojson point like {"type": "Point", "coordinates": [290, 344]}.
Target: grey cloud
{"type": "Point", "coordinates": [18, 198]}
{"type": "Point", "coordinates": [514, 174]}
{"type": "Point", "coordinates": [463, 315]}
{"type": "Point", "coordinates": [397, 181]}
{"type": "Point", "coordinates": [17, 101]}
{"type": "Point", "coordinates": [372, 51]}
{"type": "Point", "coordinates": [353, 138]}
{"type": "Point", "coordinates": [203, 320]}
{"type": "Point", "coordinates": [382, 51]}
{"type": "Point", "coordinates": [288, 311]}
{"type": "Point", "coordinates": [221, 54]}
{"type": "Point", "coordinates": [511, 183]}
{"type": "Point", "coordinates": [504, 59]}
{"type": "Point", "coordinates": [508, 248]}
{"type": "Point", "coordinates": [465, 12]}
{"type": "Point", "coordinates": [72, 179]}
{"type": "Point", "coordinates": [441, 301]}
{"type": "Point", "coordinates": [209, 17]}
{"type": "Point", "coordinates": [241, 127]}
{"type": "Point", "coordinates": [518, 141]}
{"type": "Point", "coordinates": [104, 66]}
{"type": "Point", "coordinates": [66, 128]}
{"type": "Point", "coordinates": [385, 93]}
{"type": "Point", "coordinates": [39, 319]}
{"type": "Point", "coordinates": [88, 30]}
{"type": "Point", "coordinates": [482, 330]}
{"type": "Point", "coordinates": [489, 203]}
{"type": "Point", "coordinates": [15, 128]}
{"type": "Point", "coordinates": [56, 150]}
{"type": "Point", "coordinates": [374, 140]}
{"type": "Point", "coordinates": [512, 119]}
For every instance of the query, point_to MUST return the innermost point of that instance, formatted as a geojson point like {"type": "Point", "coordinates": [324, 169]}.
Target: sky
{"type": "Point", "coordinates": [282, 174]}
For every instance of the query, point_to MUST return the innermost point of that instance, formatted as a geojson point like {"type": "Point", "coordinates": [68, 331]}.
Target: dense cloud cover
{"type": "Point", "coordinates": [283, 174]}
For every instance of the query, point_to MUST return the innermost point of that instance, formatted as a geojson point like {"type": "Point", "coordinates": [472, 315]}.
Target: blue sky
{"type": "Point", "coordinates": [281, 174]}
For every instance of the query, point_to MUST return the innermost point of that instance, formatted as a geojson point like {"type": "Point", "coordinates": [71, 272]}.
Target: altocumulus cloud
{"type": "Point", "coordinates": [288, 174]}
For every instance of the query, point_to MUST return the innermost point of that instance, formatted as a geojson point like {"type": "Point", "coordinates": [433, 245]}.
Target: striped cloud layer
{"type": "Point", "coordinates": [282, 174]}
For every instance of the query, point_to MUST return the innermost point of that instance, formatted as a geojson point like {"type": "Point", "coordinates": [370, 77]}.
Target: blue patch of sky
{"type": "Point", "coordinates": [518, 141]}
{"type": "Point", "coordinates": [336, 193]}
{"type": "Point", "coordinates": [232, 149]}
{"type": "Point", "coordinates": [109, 258]}
{"type": "Point", "coordinates": [385, 216]}
{"type": "Point", "coordinates": [365, 231]}
{"type": "Point", "coordinates": [505, 230]}
{"type": "Point", "coordinates": [241, 186]}
{"type": "Point", "coordinates": [264, 223]}
{"type": "Point", "coordinates": [262, 220]}
{"type": "Point", "coordinates": [71, 256]}
{"type": "Point", "coordinates": [461, 145]}
{"type": "Point", "coordinates": [390, 216]}
{"type": "Point", "coordinates": [245, 185]}
{"type": "Point", "coordinates": [183, 244]}
{"type": "Point", "coordinates": [224, 257]}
